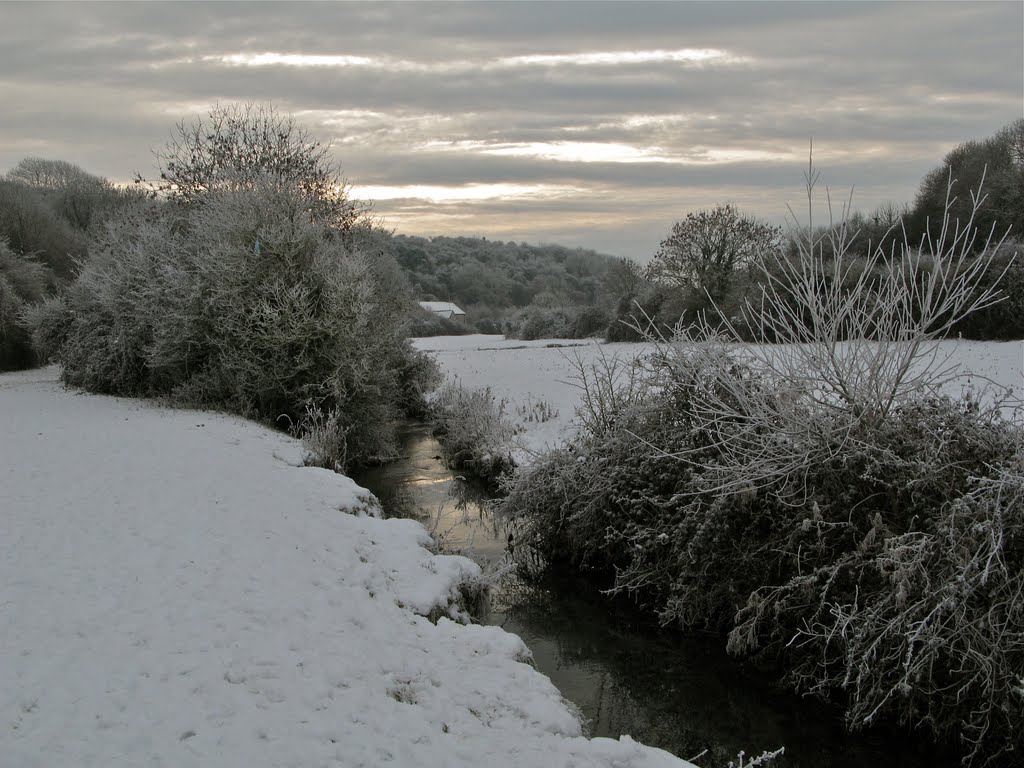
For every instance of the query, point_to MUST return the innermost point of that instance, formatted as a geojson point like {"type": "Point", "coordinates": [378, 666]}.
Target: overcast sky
{"type": "Point", "coordinates": [591, 124]}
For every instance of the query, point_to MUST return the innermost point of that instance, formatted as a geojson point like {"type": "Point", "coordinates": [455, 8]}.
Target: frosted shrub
{"type": "Point", "coordinates": [242, 301]}
{"type": "Point", "coordinates": [590, 322]}
{"type": "Point", "coordinates": [324, 437]}
{"type": "Point", "coordinates": [418, 376]}
{"type": "Point", "coordinates": [125, 305]}
{"type": "Point", "coordinates": [888, 567]}
{"type": "Point", "coordinates": [47, 323]}
{"type": "Point", "coordinates": [606, 389]}
{"type": "Point", "coordinates": [612, 504]}
{"type": "Point", "coordinates": [536, 322]}
{"type": "Point", "coordinates": [474, 430]}
{"type": "Point", "coordinates": [819, 501]}
{"type": "Point", "coordinates": [913, 603]}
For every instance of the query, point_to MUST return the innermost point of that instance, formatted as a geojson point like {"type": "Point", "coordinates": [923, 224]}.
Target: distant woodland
{"type": "Point", "coordinates": [702, 266]}
{"type": "Point", "coordinates": [52, 211]}
{"type": "Point", "coordinates": [494, 281]}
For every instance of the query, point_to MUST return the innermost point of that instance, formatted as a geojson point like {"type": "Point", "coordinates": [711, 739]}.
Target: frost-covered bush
{"type": "Point", "coordinates": [242, 301]}
{"type": "Point", "coordinates": [608, 502]}
{"type": "Point", "coordinates": [47, 323]}
{"type": "Point", "coordinates": [474, 430]}
{"type": "Point", "coordinates": [23, 281]}
{"type": "Point", "coordinates": [590, 322]}
{"type": "Point", "coordinates": [818, 501]}
{"type": "Point", "coordinates": [906, 588]}
{"type": "Point", "coordinates": [418, 376]}
{"type": "Point", "coordinates": [324, 436]}
{"type": "Point", "coordinates": [1004, 320]}
{"type": "Point", "coordinates": [124, 306]}
{"type": "Point", "coordinates": [888, 568]}
{"type": "Point", "coordinates": [250, 282]}
{"type": "Point", "coordinates": [539, 322]}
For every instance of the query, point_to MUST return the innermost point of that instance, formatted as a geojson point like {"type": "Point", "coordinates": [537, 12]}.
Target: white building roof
{"type": "Point", "coordinates": [445, 309]}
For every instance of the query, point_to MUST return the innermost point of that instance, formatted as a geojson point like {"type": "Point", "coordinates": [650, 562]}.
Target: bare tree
{"type": "Point", "coordinates": [624, 280]}
{"type": "Point", "coordinates": [71, 191]}
{"type": "Point", "coordinates": [242, 147]}
{"type": "Point", "coordinates": [52, 174]}
{"type": "Point", "coordinates": [707, 247]}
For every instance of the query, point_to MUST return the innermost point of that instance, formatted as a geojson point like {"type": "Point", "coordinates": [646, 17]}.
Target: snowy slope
{"type": "Point", "coordinates": [176, 591]}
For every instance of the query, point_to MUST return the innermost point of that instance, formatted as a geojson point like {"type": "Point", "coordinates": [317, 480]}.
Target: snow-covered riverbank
{"type": "Point", "coordinates": [176, 590]}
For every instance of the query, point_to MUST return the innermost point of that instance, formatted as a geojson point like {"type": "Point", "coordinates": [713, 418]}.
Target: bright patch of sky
{"type": "Point", "coordinates": [685, 56]}
{"type": "Point", "coordinates": [293, 60]}
{"type": "Point", "coordinates": [618, 58]}
{"type": "Point", "coordinates": [461, 194]}
{"type": "Point", "coordinates": [597, 152]}
{"type": "Point", "coordinates": [562, 151]}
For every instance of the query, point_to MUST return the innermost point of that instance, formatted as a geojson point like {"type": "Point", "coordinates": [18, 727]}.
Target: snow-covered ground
{"type": "Point", "coordinates": [529, 372]}
{"type": "Point", "coordinates": [175, 590]}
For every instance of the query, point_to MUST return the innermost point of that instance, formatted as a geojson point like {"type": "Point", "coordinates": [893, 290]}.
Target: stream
{"type": "Point", "coordinates": [678, 691]}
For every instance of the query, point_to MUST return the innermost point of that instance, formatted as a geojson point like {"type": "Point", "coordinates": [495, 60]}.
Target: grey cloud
{"type": "Point", "coordinates": [100, 84]}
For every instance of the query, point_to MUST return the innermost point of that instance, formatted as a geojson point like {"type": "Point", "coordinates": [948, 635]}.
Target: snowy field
{"type": "Point", "coordinates": [528, 372]}
{"type": "Point", "coordinates": [175, 590]}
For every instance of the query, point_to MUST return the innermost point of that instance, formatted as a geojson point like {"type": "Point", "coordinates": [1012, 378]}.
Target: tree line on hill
{"type": "Point", "coordinates": [51, 210]}
{"type": "Point", "coordinates": [496, 281]}
{"type": "Point", "coordinates": [717, 263]}
{"type": "Point", "coordinates": [705, 264]}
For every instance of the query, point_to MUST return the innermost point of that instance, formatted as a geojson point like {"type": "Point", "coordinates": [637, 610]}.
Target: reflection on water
{"type": "Point", "coordinates": [452, 506]}
{"type": "Point", "coordinates": [682, 693]}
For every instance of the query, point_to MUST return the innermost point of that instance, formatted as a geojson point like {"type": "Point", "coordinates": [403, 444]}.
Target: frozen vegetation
{"type": "Point", "coordinates": [845, 502]}
{"type": "Point", "coordinates": [527, 373]}
{"type": "Point", "coordinates": [815, 544]}
{"type": "Point", "coordinates": [177, 589]}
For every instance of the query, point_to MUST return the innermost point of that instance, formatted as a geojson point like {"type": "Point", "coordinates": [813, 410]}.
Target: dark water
{"type": "Point", "coordinates": [679, 692]}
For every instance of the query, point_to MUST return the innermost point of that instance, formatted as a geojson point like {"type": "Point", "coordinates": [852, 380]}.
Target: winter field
{"type": "Point", "coordinates": [176, 589]}
{"type": "Point", "coordinates": [528, 374]}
